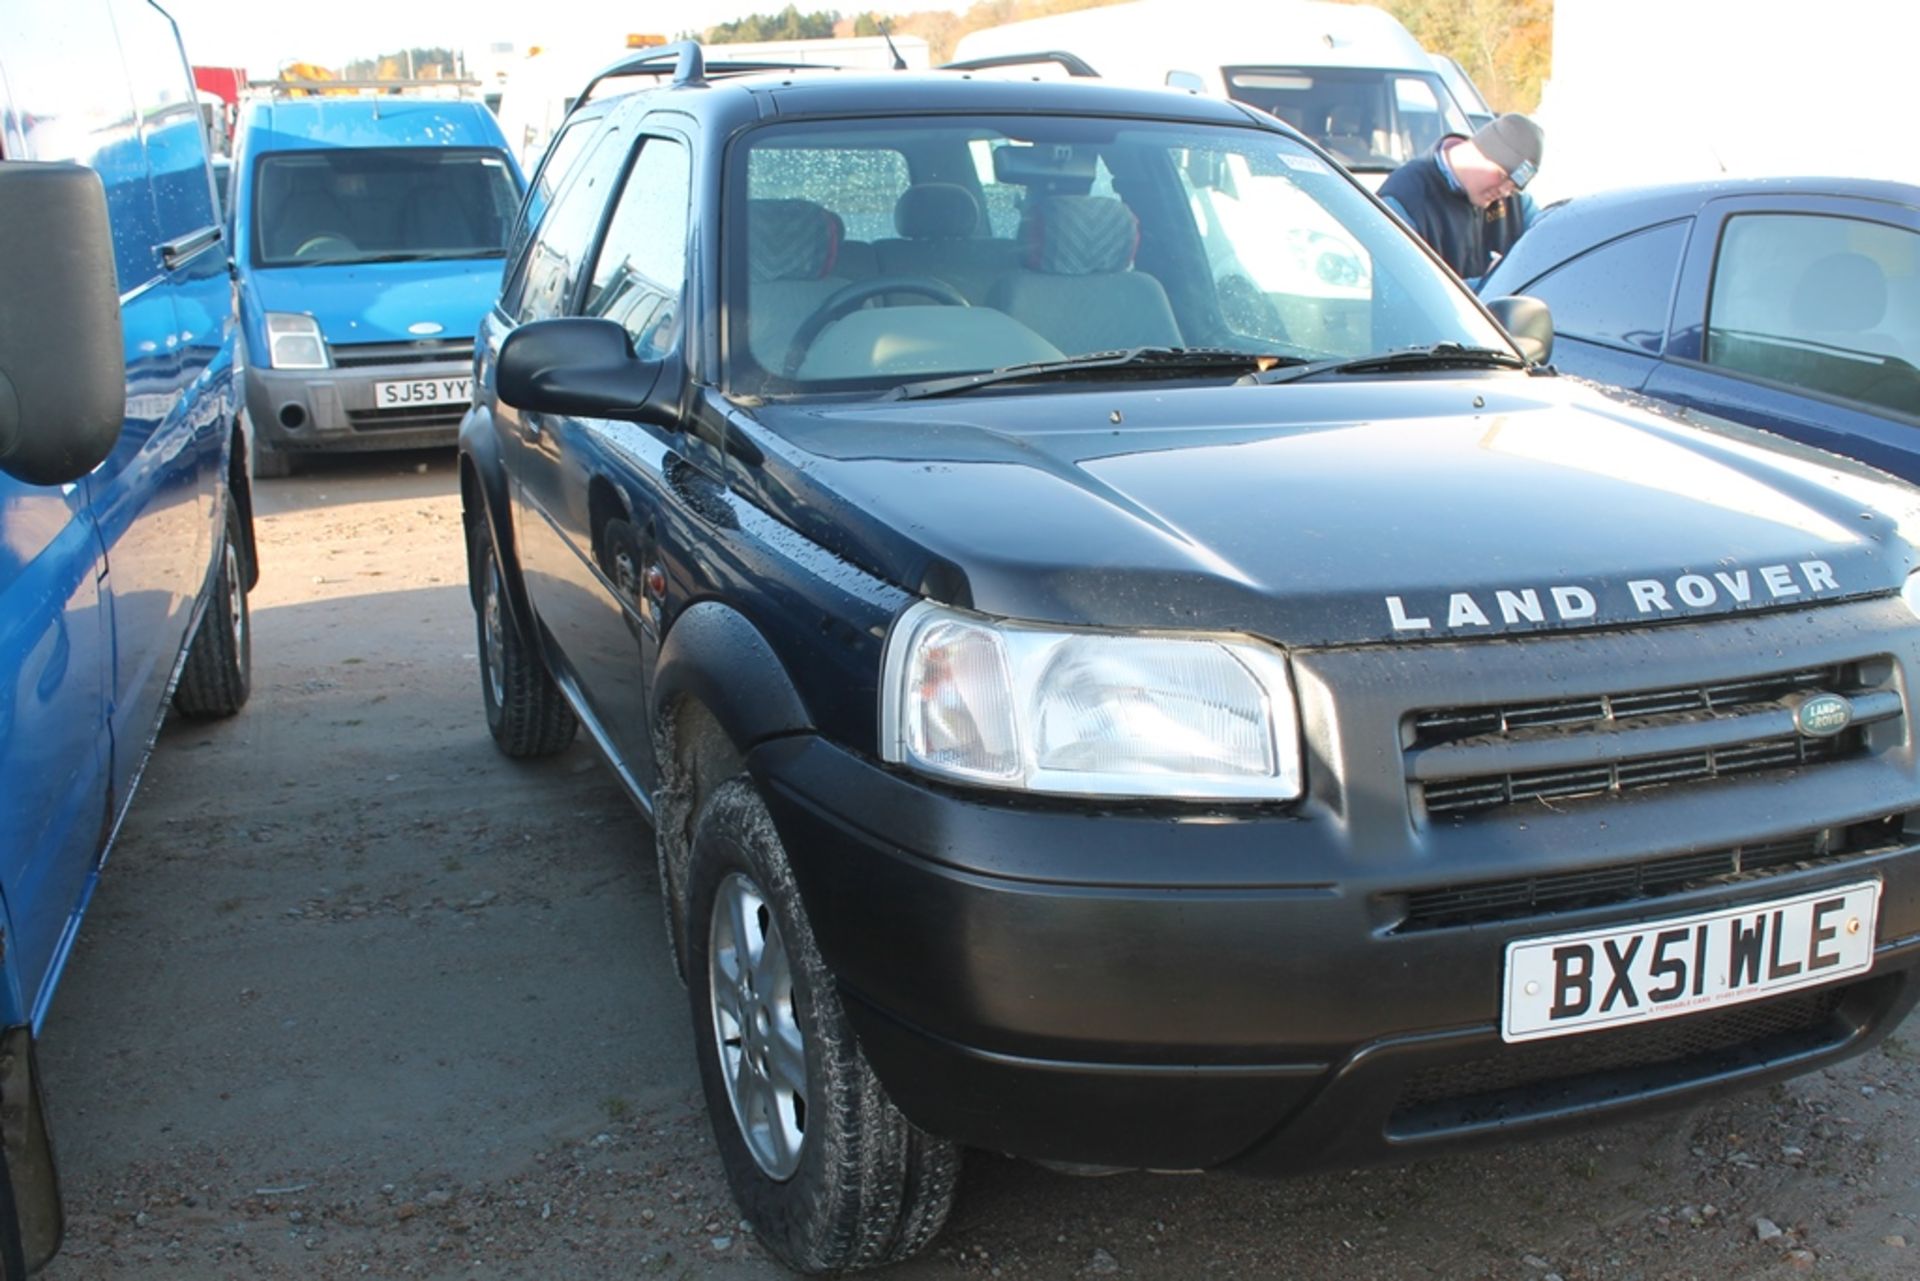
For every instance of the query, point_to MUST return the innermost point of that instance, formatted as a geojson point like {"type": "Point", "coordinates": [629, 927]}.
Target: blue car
{"type": "Point", "coordinates": [1791, 305]}
{"type": "Point", "coordinates": [368, 236]}
{"type": "Point", "coordinates": [126, 533]}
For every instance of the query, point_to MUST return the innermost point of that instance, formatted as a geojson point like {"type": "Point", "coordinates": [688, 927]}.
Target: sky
{"type": "Point", "coordinates": [259, 35]}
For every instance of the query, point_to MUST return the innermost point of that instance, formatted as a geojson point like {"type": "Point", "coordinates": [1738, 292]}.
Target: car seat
{"type": "Point", "coordinates": [939, 225]}
{"type": "Point", "coordinates": [1080, 291]}
{"type": "Point", "coordinates": [792, 248]}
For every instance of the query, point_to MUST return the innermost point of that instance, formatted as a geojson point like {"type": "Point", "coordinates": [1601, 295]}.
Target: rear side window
{"type": "Point", "coordinates": [1828, 304]}
{"type": "Point", "coordinates": [542, 284]}
{"type": "Point", "coordinates": [552, 171]}
{"type": "Point", "coordinates": [1620, 293]}
{"type": "Point", "coordinates": [642, 266]}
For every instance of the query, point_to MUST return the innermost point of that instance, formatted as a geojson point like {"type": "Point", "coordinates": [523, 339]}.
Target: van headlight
{"type": "Point", "coordinates": [294, 341]}
{"type": "Point", "coordinates": [1087, 713]}
{"type": "Point", "coordinates": [1910, 592]}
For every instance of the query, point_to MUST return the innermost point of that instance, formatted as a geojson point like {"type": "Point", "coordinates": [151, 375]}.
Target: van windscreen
{"type": "Point", "coordinates": [1370, 120]}
{"type": "Point", "coordinates": [381, 204]}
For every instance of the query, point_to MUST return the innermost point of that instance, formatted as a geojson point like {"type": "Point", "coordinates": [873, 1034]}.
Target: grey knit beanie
{"type": "Point", "coordinates": [1514, 143]}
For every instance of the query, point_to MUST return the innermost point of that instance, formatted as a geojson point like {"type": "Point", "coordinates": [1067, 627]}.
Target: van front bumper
{"type": "Point", "coordinates": [313, 410]}
{"type": "Point", "coordinates": [1146, 988]}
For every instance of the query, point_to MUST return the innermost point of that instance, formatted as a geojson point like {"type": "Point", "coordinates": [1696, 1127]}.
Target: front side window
{"type": "Point", "coordinates": [1022, 240]}
{"type": "Point", "coordinates": [1373, 121]}
{"type": "Point", "coordinates": [381, 204]}
{"type": "Point", "coordinates": [638, 278]}
{"type": "Point", "coordinates": [1828, 304]}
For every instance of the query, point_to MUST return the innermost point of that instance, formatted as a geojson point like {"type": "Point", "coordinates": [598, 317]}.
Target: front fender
{"type": "Point", "coordinates": [713, 655]}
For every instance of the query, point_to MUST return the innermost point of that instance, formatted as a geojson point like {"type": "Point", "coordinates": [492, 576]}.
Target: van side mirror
{"type": "Point", "coordinates": [578, 366]}
{"type": "Point", "coordinates": [63, 365]}
{"type": "Point", "coordinates": [1187, 80]}
{"type": "Point", "coordinates": [1529, 323]}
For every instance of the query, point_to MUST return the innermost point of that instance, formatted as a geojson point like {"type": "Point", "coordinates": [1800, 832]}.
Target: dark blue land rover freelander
{"type": "Point", "coordinates": [1130, 665]}
{"type": "Point", "coordinates": [126, 534]}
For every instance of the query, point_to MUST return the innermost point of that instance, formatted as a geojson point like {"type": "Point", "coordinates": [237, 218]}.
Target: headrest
{"type": "Point", "coordinates": [936, 211]}
{"type": "Point", "coordinates": [790, 240]}
{"type": "Point", "coordinates": [1840, 294]}
{"type": "Point", "coordinates": [1081, 235]}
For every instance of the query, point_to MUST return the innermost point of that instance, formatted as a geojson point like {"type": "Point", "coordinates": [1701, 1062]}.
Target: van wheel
{"type": "Point", "coordinates": [833, 1177]}
{"type": "Point", "coordinates": [219, 669]}
{"type": "Point", "coordinates": [526, 712]}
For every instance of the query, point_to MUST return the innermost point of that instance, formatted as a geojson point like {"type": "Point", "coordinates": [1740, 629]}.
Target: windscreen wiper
{"type": "Point", "coordinates": [1133, 360]}
{"type": "Point", "coordinates": [1440, 355]}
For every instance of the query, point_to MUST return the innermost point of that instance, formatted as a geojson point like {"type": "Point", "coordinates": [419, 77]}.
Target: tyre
{"type": "Point", "coordinates": [526, 713]}
{"type": "Point", "coordinates": [219, 669]}
{"type": "Point", "coordinates": [832, 1176]}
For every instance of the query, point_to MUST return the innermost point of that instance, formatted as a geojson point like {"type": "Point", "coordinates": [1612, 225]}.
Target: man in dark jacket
{"type": "Point", "coordinates": [1463, 195]}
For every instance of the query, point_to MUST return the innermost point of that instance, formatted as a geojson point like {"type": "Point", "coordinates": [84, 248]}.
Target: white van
{"type": "Point", "coordinates": [1348, 76]}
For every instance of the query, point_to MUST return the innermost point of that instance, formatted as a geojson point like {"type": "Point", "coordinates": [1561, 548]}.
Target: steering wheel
{"type": "Point", "coordinates": [324, 241]}
{"type": "Point", "coordinates": [852, 298]}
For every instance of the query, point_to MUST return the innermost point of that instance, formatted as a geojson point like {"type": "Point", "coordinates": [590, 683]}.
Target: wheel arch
{"type": "Point", "coordinates": [483, 502]}
{"type": "Point", "coordinates": [718, 690]}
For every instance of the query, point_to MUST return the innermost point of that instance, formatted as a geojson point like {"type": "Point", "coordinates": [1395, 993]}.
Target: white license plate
{"type": "Point", "coordinates": [1611, 977]}
{"type": "Point", "coordinates": [422, 391]}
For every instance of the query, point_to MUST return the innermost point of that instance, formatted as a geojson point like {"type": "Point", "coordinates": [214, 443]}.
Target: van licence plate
{"type": "Point", "coordinates": [1612, 977]}
{"type": "Point", "coordinates": [422, 391]}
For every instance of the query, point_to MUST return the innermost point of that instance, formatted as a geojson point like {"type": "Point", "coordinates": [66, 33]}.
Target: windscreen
{"type": "Point", "coordinates": [870, 253]}
{"type": "Point", "coordinates": [381, 204]}
{"type": "Point", "coordinates": [1372, 120]}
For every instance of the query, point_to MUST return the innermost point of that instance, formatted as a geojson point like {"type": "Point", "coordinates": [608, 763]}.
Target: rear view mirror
{"type": "Point", "coordinates": [1529, 323]}
{"type": "Point", "coordinates": [63, 370]}
{"type": "Point", "coordinates": [578, 367]}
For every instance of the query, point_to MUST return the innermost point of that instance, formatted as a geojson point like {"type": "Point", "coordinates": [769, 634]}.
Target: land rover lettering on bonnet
{"type": "Point", "coordinates": [1111, 690]}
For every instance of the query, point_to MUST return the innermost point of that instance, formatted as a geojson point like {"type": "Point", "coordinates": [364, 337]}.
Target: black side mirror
{"type": "Point", "coordinates": [1529, 323]}
{"type": "Point", "coordinates": [63, 365]}
{"type": "Point", "coordinates": [576, 366]}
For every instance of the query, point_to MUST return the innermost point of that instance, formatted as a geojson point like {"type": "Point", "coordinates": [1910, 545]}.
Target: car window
{"type": "Point", "coordinates": [543, 283]}
{"type": "Point", "coordinates": [641, 269]}
{"type": "Point", "coordinates": [1619, 293]}
{"type": "Point", "coordinates": [1372, 120]}
{"type": "Point", "coordinates": [1098, 235]}
{"type": "Point", "coordinates": [552, 170]}
{"type": "Point", "coordinates": [1829, 304]}
{"type": "Point", "coordinates": [865, 183]}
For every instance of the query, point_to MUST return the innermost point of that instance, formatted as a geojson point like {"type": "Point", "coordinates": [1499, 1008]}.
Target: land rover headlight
{"type": "Point", "coordinates": [294, 341]}
{"type": "Point", "coordinates": [1088, 713]}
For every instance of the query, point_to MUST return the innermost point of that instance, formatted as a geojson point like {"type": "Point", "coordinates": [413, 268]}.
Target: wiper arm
{"type": "Point", "coordinates": [1440, 355]}
{"type": "Point", "coordinates": [1171, 359]}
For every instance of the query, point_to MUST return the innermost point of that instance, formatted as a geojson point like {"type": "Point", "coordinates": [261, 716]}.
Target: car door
{"type": "Point", "coordinates": [1800, 314]}
{"type": "Point", "coordinates": [1611, 303]}
{"type": "Point", "coordinates": [601, 577]}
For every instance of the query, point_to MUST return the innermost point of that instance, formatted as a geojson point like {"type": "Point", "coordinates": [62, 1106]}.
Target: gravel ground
{"type": "Point", "coordinates": [360, 997]}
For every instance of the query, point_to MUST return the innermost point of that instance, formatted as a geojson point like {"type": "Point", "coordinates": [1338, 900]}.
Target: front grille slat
{"type": "Point", "coordinates": [434, 352]}
{"type": "Point", "coordinates": [1471, 760]}
{"type": "Point", "coordinates": [1517, 898]}
{"type": "Point", "coordinates": [405, 419]}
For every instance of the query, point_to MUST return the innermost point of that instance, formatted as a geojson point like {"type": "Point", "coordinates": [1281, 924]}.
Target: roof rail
{"type": "Point", "coordinates": [652, 63]}
{"type": "Point", "coordinates": [286, 87]}
{"type": "Point", "coordinates": [1075, 65]}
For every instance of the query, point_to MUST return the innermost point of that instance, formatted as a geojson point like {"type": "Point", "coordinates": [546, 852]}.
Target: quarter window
{"type": "Point", "coordinates": [1828, 304]}
{"type": "Point", "coordinates": [1619, 294]}
{"type": "Point", "coordinates": [642, 265]}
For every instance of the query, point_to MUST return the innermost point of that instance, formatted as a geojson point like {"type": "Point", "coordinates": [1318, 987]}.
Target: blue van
{"type": "Point", "coordinates": [126, 531]}
{"type": "Point", "coordinates": [369, 233]}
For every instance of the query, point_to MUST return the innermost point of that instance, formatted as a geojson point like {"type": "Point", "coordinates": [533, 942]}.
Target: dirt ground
{"type": "Point", "coordinates": [360, 997]}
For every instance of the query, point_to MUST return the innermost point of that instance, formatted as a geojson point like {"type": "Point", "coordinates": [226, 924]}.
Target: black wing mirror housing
{"type": "Point", "coordinates": [63, 362]}
{"type": "Point", "coordinates": [1529, 323]}
{"type": "Point", "coordinates": [581, 367]}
